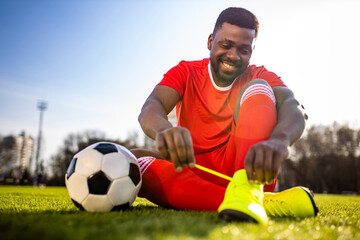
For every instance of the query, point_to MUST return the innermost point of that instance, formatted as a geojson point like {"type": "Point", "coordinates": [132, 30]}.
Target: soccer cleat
{"type": "Point", "coordinates": [243, 201]}
{"type": "Point", "coordinates": [297, 202]}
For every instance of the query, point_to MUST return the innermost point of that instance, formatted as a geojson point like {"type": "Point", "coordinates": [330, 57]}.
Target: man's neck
{"type": "Point", "coordinates": [220, 85]}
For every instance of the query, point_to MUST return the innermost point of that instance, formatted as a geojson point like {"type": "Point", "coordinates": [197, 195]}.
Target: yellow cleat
{"type": "Point", "coordinates": [297, 202]}
{"type": "Point", "coordinates": [243, 201]}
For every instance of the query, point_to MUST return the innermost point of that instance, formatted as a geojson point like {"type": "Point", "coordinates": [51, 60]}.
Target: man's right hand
{"type": "Point", "coordinates": [175, 144]}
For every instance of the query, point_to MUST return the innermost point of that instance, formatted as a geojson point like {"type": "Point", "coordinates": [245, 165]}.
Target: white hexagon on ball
{"type": "Point", "coordinates": [97, 203]}
{"type": "Point", "coordinates": [115, 165]}
{"type": "Point", "coordinates": [129, 156]}
{"type": "Point", "coordinates": [89, 162]}
{"type": "Point", "coordinates": [123, 191]}
{"type": "Point", "coordinates": [77, 187]}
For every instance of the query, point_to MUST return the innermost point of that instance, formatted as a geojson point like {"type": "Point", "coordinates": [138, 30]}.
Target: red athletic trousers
{"type": "Point", "coordinates": [193, 189]}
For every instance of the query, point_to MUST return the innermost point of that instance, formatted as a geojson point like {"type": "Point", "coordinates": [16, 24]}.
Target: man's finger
{"type": "Point", "coordinates": [189, 150]}
{"type": "Point", "coordinates": [268, 162]}
{"type": "Point", "coordinates": [171, 148]}
{"type": "Point", "coordinates": [259, 165]}
{"type": "Point", "coordinates": [249, 166]}
{"type": "Point", "coordinates": [180, 149]}
{"type": "Point", "coordinates": [276, 165]}
{"type": "Point", "coordinates": [161, 145]}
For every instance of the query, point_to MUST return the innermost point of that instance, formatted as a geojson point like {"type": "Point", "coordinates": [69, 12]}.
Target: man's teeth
{"type": "Point", "coordinates": [228, 65]}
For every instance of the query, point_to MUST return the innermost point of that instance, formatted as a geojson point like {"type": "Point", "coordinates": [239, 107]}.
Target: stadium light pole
{"type": "Point", "coordinates": [42, 106]}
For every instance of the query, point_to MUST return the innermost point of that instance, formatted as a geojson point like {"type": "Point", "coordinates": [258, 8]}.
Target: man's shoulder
{"type": "Point", "coordinates": [254, 67]}
{"type": "Point", "coordinates": [256, 70]}
{"type": "Point", "coordinates": [196, 64]}
{"type": "Point", "coordinates": [272, 78]}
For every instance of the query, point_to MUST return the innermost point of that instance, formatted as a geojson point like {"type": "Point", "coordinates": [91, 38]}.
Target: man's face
{"type": "Point", "coordinates": [230, 52]}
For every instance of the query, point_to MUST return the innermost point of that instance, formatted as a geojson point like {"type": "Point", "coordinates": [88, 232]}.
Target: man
{"type": "Point", "coordinates": [236, 119]}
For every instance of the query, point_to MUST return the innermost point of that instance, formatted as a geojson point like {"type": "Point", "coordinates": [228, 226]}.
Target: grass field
{"type": "Point", "coordinates": [48, 213]}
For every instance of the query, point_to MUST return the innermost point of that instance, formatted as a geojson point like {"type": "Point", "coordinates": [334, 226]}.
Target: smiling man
{"type": "Point", "coordinates": [235, 118]}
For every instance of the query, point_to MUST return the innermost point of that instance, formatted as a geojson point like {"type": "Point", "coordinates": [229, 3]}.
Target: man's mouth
{"type": "Point", "coordinates": [229, 65]}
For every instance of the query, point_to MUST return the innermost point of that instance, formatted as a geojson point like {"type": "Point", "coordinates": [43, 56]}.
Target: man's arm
{"type": "Point", "coordinates": [263, 160]}
{"type": "Point", "coordinates": [174, 143]}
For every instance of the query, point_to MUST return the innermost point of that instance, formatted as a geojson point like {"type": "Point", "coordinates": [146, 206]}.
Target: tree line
{"type": "Point", "coordinates": [325, 159]}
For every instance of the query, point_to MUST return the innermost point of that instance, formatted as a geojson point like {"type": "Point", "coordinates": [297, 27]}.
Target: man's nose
{"type": "Point", "coordinates": [233, 54]}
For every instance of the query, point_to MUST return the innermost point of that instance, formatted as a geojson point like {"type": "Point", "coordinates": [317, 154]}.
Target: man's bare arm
{"type": "Point", "coordinates": [174, 143]}
{"type": "Point", "coordinates": [153, 116]}
{"type": "Point", "coordinates": [291, 116]}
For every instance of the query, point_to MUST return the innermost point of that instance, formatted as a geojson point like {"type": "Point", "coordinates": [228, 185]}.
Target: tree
{"type": "Point", "coordinates": [74, 143]}
{"type": "Point", "coordinates": [1, 143]}
{"type": "Point", "coordinates": [326, 159]}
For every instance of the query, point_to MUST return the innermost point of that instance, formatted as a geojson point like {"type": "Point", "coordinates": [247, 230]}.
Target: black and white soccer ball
{"type": "Point", "coordinates": [103, 177]}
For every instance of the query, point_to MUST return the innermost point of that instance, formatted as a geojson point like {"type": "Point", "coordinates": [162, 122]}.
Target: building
{"type": "Point", "coordinates": [16, 155]}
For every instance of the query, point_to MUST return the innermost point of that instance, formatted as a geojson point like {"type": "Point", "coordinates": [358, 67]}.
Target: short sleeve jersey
{"type": "Point", "coordinates": [205, 109]}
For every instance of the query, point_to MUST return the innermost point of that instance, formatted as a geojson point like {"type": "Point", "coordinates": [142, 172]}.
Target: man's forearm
{"type": "Point", "coordinates": [291, 121]}
{"type": "Point", "coordinates": [153, 119]}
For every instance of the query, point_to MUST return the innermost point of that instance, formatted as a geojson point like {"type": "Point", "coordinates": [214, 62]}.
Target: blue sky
{"type": "Point", "coordinates": [95, 62]}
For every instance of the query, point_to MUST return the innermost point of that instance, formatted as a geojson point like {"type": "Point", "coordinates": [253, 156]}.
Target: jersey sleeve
{"type": "Point", "coordinates": [176, 78]}
{"type": "Point", "coordinates": [270, 77]}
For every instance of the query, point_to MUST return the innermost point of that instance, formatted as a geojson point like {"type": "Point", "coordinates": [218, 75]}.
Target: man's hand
{"type": "Point", "coordinates": [175, 144]}
{"type": "Point", "coordinates": [263, 160]}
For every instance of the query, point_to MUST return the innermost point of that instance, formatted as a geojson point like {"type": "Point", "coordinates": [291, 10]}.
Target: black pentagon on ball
{"type": "Point", "coordinates": [99, 183]}
{"type": "Point", "coordinates": [121, 207]}
{"type": "Point", "coordinates": [78, 205]}
{"type": "Point", "coordinates": [71, 168]}
{"type": "Point", "coordinates": [134, 174]}
{"type": "Point", "coordinates": [106, 148]}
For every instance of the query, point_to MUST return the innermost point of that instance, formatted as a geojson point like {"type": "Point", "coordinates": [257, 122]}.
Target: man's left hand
{"type": "Point", "coordinates": [263, 160]}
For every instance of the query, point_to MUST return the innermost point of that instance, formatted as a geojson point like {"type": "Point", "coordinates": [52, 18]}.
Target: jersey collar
{"type": "Point", "coordinates": [214, 84]}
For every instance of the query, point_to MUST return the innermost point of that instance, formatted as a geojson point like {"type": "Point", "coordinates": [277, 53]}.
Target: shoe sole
{"type": "Point", "coordinates": [311, 196]}
{"type": "Point", "coordinates": [231, 215]}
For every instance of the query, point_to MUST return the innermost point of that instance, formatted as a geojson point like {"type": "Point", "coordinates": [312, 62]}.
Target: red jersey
{"type": "Point", "coordinates": [205, 109]}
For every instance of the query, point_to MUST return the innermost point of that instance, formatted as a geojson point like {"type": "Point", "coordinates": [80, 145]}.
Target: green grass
{"type": "Point", "coordinates": [48, 213]}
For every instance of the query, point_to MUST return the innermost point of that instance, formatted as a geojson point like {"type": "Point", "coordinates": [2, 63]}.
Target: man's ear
{"type": "Point", "coordinates": [210, 41]}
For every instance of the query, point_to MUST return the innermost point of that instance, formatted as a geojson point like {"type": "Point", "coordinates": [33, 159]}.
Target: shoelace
{"type": "Point", "coordinates": [278, 208]}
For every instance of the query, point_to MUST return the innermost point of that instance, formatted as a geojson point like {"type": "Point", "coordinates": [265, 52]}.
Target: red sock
{"type": "Point", "coordinates": [164, 186]}
{"type": "Point", "coordinates": [256, 121]}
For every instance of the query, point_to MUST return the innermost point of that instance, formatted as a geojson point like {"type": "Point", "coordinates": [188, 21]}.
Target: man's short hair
{"type": "Point", "coordinates": [239, 17]}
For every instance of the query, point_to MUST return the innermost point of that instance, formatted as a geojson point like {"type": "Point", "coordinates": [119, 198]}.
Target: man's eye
{"type": "Point", "coordinates": [226, 46]}
{"type": "Point", "coordinates": [244, 51]}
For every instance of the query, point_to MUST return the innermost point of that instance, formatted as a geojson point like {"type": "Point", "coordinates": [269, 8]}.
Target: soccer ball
{"type": "Point", "coordinates": [103, 177]}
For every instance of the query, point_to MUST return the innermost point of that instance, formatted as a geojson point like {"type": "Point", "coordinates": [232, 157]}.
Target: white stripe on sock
{"type": "Point", "coordinates": [144, 163]}
{"type": "Point", "coordinates": [257, 89]}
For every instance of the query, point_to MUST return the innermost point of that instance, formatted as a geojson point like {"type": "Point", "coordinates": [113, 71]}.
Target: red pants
{"type": "Point", "coordinates": [194, 189]}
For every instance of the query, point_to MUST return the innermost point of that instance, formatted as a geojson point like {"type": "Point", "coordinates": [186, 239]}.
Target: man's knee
{"type": "Point", "coordinates": [251, 83]}
{"type": "Point", "coordinates": [259, 84]}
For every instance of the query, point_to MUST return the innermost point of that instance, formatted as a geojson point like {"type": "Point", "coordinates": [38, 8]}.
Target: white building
{"type": "Point", "coordinates": [16, 154]}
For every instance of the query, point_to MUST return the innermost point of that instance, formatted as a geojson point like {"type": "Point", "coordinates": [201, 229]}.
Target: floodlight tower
{"type": "Point", "coordinates": [42, 106]}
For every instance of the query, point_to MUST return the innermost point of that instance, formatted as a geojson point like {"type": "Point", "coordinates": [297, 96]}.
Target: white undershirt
{"type": "Point", "coordinates": [214, 84]}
